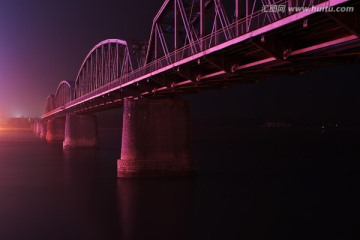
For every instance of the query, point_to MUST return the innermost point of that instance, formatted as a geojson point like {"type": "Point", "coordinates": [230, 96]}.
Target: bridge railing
{"type": "Point", "coordinates": [236, 29]}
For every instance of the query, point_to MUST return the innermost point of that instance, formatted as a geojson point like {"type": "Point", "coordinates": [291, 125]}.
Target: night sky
{"type": "Point", "coordinates": [44, 42]}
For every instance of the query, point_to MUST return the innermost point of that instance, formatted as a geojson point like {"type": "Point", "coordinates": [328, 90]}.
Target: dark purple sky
{"type": "Point", "coordinates": [44, 42]}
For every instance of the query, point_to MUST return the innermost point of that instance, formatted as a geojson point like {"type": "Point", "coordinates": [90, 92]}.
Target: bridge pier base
{"type": "Point", "coordinates": [155, 139]}
{"type": "Point", "coordinates": [55, 130]}
{"type": "Point", "coordinates": [37, 128]}
{"type": "Point", "coordinates": [34, 125]}
{"type": "Point", "coordinates": [80, 131]}
{"type": "Point", "coordinates": [42, 130]}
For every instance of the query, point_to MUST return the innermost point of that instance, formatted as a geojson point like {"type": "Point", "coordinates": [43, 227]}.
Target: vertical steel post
{"type": "Point", "coordinates": [247, 15]}
{"type": "Point", "coordinates": [237, 16]}
{"type": "Point", "coordinates": [216, 24]}
{"type": "Point", "coordinates": [176, 26]}
{"type": "Point", "coordinates": [202, 24]}
{"type": "Point", "coordinates": [92, 73]}
{"type": "Point", "coordinates": [155, 43]}
{"type": "Point", "coordinates": [96, 69]}
{"type": "Point", "coordinates": [117, 61]}
{"type": "Point", "coordinates": [108, 79]}
{"type": "Point", "coordinates": [101, 77]}
{"type": "Point", "coordinates": [288, 6]}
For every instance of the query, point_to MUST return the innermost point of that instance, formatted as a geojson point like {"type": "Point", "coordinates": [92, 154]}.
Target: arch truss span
{"type": "Point", "coordinates": [183, 28]}
{"type": "Point", "coordinates": [109, 60]}
{"type": "Point", "coordinates": [64, 94]}
{"type": "Point", "coordinates": [50, 103]}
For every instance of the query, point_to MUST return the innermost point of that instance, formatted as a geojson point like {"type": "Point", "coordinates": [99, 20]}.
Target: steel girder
{"type": "Point", "coordinates": [109, 60]}
{"type": "Point", "coordinates": [64, 94]}
{"type": "Point", "coordinates": [50, 103]}
{"type": "Point", "coordinates": [183, 24]}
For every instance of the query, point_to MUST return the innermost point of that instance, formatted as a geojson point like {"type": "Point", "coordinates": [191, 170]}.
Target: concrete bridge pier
{"type": "Point", "coordinates": [80, 131]}
{"type": "Point", "coordinates": [42, 130]}
{"type": "Point", "coordinates": [37, 128]}
{"type": "Point", "coordinates": [155, 139]}
{"type": "Point", "coordinates": [55, 130]}
{"type": "Point", "coordinates": [33, 126]}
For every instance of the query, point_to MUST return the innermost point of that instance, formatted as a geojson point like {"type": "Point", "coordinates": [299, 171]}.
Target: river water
{"type": "Point", "coordinates": [254, 183]}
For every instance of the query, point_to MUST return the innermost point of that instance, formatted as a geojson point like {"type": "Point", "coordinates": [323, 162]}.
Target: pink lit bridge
{"type": "Point", "coordinates": [194, 45]}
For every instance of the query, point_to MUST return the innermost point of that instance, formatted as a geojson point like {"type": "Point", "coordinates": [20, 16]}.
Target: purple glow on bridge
{"type": "Point", "coordinates": [195, 46]}
{"type": "Point", "coordinates": [53, 25]}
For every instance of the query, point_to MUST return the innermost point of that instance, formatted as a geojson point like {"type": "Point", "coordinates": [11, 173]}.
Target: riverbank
{"type": "Point", "coordinates": [6, 129]}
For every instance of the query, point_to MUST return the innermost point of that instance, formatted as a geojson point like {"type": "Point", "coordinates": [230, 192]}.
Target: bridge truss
{"type": "Point", "coordinates": [200, 44]}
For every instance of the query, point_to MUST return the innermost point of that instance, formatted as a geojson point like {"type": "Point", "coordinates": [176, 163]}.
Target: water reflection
{"type": "Point", "coordinates": [90, 197]}
{"type": "Point", "coordinates": [296, 186]}
{"type": "Point", "coordinates": [156, 208]}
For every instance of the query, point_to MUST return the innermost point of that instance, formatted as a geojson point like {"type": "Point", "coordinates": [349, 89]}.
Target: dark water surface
{"type": "Point", "coordinates": [252, 184]}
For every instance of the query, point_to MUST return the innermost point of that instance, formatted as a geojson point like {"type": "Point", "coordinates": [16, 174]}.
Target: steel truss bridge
{"type": "Point", "coordinates": [201, 44]}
